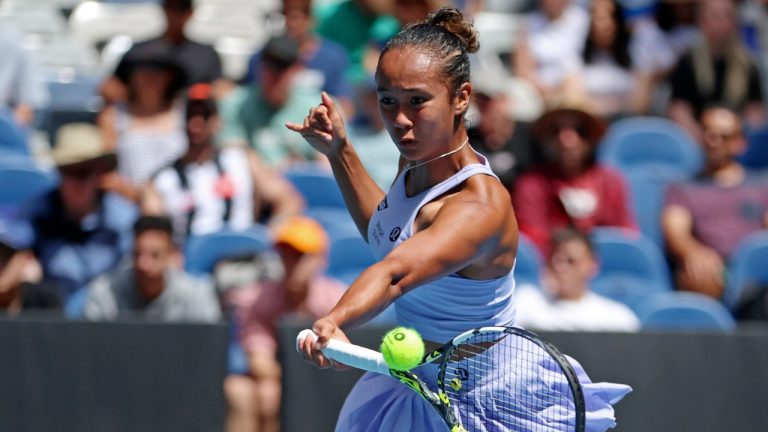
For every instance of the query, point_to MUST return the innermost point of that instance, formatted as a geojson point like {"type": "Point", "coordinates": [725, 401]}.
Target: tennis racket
{"type": "Point", "coordinates": [489, 379]}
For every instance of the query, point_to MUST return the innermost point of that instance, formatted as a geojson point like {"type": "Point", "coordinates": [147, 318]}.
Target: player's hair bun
{"type": "Point", "coordinates": [452, 20]}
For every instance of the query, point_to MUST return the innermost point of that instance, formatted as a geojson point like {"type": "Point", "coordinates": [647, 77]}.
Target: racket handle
{"type": "Point", "coordinates": [348, 354]}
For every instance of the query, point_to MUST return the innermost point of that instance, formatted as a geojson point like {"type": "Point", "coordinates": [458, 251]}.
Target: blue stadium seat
{"type": "Point", "coordinates": [647, 189]}
{"type": "Point", "coordinates": [316, 185]}
{"type": "Point", "coordinates": [528, 263]}
{"type": "Point", "coordinates": [677, 310]}
{"type": "Point", "coordinates": [650, 143]}
{"type": "Point", "coordinates": [756, 154]}
{"type": "Point", "coordinates": [21, 184]}
{"type": "Point", "coordinates": [337, 222]}
{"type": "Point", "coordinates": [748, 265]}
{"type": "Point", "coordinates": [12, 139]}
{"type": "Point", "coordinates": [631, 266]}
{"type": "Point", "coordinates": [203, 252]}
{"type": "Point", "coordinates": [348, 256]}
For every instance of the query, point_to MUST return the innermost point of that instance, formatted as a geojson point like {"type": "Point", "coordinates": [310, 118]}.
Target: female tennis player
{"type": "Point", "coordinates": [445, 234]}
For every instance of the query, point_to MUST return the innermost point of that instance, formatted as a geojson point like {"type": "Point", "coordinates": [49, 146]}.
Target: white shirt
{"type": "Point", "coordinates": [556, 45]}
{"type": "Point", "coordinates": [209, 204]}
{"type": "Point", "coordinates": [592, 312]}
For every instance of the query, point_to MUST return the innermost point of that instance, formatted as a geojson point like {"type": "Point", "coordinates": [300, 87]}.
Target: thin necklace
{"type": "Point", "coordinates": [408, 167]}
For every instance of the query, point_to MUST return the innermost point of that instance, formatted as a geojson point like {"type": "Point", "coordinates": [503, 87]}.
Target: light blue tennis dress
{"type": "Point", "coordinates": [440, 310]}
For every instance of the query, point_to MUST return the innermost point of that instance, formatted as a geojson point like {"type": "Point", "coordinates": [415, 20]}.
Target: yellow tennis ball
{"type": "Point", "coordinates": [402, 348]}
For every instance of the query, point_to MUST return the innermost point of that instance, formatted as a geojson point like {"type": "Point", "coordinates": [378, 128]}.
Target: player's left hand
{"type": "Point", "coordinates": [311, 350]}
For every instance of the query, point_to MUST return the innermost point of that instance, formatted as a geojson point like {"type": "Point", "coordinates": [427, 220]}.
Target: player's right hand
{"type": "Point", "coordinates": [323, 128]}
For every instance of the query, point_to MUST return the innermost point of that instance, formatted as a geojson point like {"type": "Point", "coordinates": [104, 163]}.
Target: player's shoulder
{"type": "Point", "coordinates": [487, 189]}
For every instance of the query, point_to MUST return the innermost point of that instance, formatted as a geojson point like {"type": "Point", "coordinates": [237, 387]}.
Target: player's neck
{"type": "Point", "coordinates": [424, 174]}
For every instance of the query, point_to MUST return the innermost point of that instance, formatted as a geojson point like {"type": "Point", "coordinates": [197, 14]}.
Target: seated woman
{"type": "Point", "coordinates": [147, 130]}
{"type": "Point", "coordinates": [614, 81]}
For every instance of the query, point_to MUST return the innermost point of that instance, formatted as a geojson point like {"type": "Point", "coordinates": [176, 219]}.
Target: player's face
{"type": "Point", "coordinates": [415, 103]}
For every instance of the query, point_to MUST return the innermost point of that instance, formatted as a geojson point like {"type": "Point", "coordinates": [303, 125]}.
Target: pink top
{"type": "Point", "coordinates": [258, 330]}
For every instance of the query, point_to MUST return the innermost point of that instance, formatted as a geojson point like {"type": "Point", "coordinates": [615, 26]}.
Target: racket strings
{"type": "Point", "coordinates": [503, 382]}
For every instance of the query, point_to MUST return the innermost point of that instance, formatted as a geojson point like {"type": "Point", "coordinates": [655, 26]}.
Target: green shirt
{"type": "Point", "coordinates": [247, 117]}
{"type": "Point", "coordinates": [355, 30]}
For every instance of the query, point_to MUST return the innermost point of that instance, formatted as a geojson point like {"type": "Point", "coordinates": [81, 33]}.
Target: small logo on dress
{"type": "Point", "coordinates": [394, 234]}
{"type": "Point", "coordinates": [382, 205]}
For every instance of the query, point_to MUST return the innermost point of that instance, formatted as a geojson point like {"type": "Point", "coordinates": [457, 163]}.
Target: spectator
{"type": "Point", "coordinates": [324, 61]}
{"type": "Point", "coordinates": [255, 114]}
{"type": "Point", "coordinates": [208, 188]}
{"type": "Point", "coordinates": [704, 219]}
{"type": "Point", "coordinates": [372, 142]}
{"type": "Point", "coordinates": [505, 141]}
{"type": "Point", "coordinates": [201, 63]}
{"type": "Point", "coordinates": [614, 81]}
{"type": "Point", "coordinates": [717, 70]}
{"type": "Point", "coordinates": [147, 130]}
{"type": "Point", "coordinates": [361, 27]}
{"type": "Point", "coordinates": [677, 20]}
{"type": "Point", "coordinates": [550, 44]}
{"type": "Point", "coordinates": [22, 88]}
{"type": "Point", "coordinates": [81, 231]}
{"type": "Point", "coordinates": [17, 294]}
{"type": "Point", "coordinates": [567, 303]}
{"type": "Point", "coordinates": [149, 284]}
{"type": "Point", "coordinates": [303, 290]}
{"type": "Point", "coordinates": [568, 187]}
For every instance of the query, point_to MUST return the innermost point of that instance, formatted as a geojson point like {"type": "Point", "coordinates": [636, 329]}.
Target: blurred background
{"type": "Point", "coordinates": [163, 237]}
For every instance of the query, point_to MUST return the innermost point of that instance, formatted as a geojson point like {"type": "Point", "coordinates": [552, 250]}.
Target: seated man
{"type": "Point", "coordinates": [303, 290]}
{"type": "Point", "coordinates": [566, 302]}
{"type": "Point", "coordinates": [704, 219]}
{"type": "Point", "coordinates": [209, 189]}
{"type": "Point", "coordinates": [17, 295]}
{"type": "Point", "coordinates": [150, 285]}
{"type": "Point", "coordinates": [81, 231]}
{"type": "Point", "coordinates": [255, 114]}
{"type": "Point", "coordinates": [569, 187]}
{"type": "Point", "coordinates": [200, 62]}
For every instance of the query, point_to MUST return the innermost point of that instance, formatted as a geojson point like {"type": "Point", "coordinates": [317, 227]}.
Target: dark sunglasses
{"type": "Point", "coordinates": [556, 128]}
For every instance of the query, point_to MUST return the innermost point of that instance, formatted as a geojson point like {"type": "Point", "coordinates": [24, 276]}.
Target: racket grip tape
{"type": "Point", "coordinates": [349, 354]}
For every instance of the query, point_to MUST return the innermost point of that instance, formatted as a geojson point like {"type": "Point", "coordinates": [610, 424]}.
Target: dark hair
{"type": "Point", "coordinates": [153, 223]}
{"type": "Point", "coordinates": [620, 46]}
{"type": "Point", "coordinates": [200, 101]}
{"type": "Point", "coordinates": [305, 6]}
{"type": "Point", "coordinates": [183, 5]}
{"type": "Point", "coordinates": [564, 235]}
{"type": "Point", "coordinates": [447, 36]}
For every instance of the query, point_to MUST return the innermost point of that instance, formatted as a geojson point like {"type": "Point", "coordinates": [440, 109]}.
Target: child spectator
{"type": "Point", "coordinates": [566, 302]}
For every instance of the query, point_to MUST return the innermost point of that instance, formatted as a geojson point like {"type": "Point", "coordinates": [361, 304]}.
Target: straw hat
{"type": "Point", "coordinates": [80, 144]}
{"type": "Point", "coordinates": [573, 106]}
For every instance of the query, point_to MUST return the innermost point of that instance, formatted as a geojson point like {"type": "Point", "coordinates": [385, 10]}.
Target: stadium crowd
{"type": "Point", "coordinates": [116, 158]}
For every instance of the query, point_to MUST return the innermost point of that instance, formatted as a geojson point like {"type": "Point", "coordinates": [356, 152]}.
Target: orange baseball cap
{"type": "Point", "coordinates": [303, 234]}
